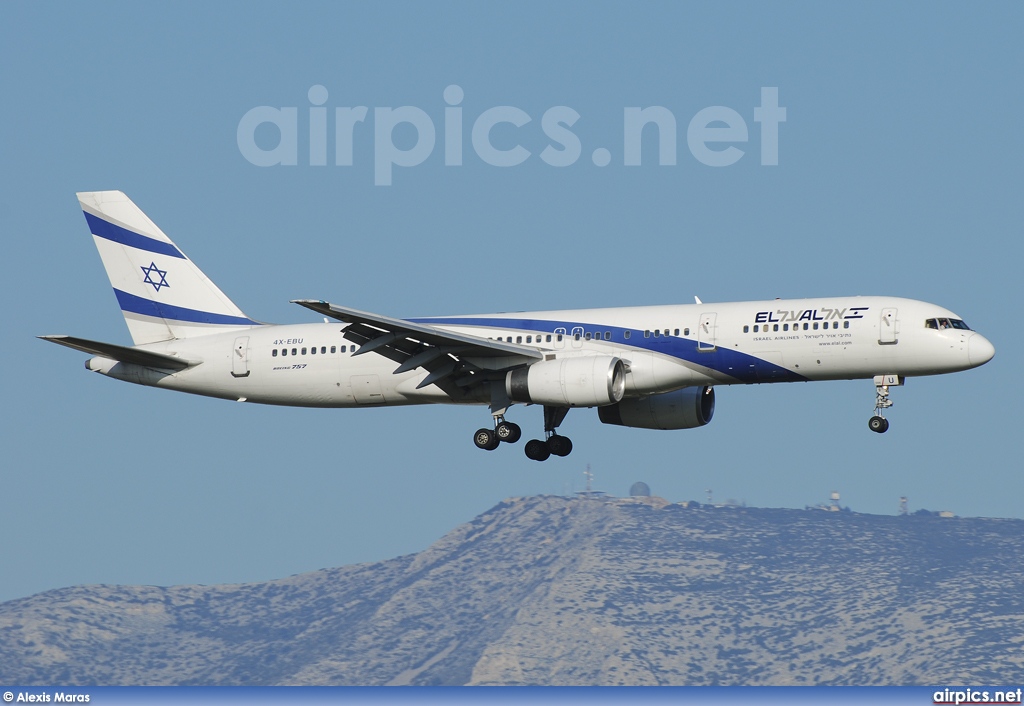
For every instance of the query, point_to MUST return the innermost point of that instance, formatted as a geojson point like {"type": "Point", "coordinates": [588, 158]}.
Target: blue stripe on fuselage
{"type": "Point", "coordinates": [736, 364]}
{"type": "Point", "coordinates": [109, 231]}
{"type": "Point", "coordinates": [159, 310]}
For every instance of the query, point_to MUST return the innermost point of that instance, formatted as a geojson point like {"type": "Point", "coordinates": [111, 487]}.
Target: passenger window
{"type": "Point", "coordinates": [785, 327]}
{"type": "Point", "coordinates": [746, 329]}
{"type": "Point", "coordinates": [815, 326]}
{"type": "Point", "coordinates": [656, 333]}
{"type": "Point", "coordinates": [647, 333]}
{"type": "Point", "coordinates": [756, 328]}
{"type": "Point", "coordinates": [835, 324]}
{"type": "Point", "coordinates": [607, 335]}
{"type": "Point", "coordinates": [626, 334]}
{"type": "Point", "coordinates": [547, 338]}
{"type": "Point", "coordinates": [312, 351]}
{"type": "Point", "coordinates": [529, 339]}
{"type": "Point", "coordinates": [846, 324]}
{"type": "Point", "coordinates": [334, 349]}
{"type": "Point", "coordinates": [775, 327]}
{"type": "Point", "coordinates": [295, 351]}
{"type": "Point", "coordinates": [676, 332]}
{"type": "Point", "coordinates": [576, 337]}
{"type": "Point", "coordinates": [805, 326]}
{"type": "Point", "coordinates": [284, 351]}
{"type": "Point", "coordinates": [559, 338]}
{"type": "Point", "coordinates": [686, 332]}
{"type": "Point", "coordinates": [354, 348]}
{"type": "Point", "coordinates": [273, 353]}
{"type": "Point", "coordinates": [519, 339]}
{"type": "Point", "coordinates": [323, 350]}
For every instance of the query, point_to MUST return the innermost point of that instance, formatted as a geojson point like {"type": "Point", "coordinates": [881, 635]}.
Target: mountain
{"type": "Point", "coordinates": [585, 590]}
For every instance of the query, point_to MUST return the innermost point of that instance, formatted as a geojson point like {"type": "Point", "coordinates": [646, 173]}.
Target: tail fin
{"type": "Point", "coordinates": [162, 294]}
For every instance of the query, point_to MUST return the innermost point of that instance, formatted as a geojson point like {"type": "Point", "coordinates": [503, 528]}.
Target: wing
{"type": "Point", "coordinates": [454, 361]}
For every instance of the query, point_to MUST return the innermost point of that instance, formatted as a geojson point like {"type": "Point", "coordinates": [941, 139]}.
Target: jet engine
{"type": "Point", "coordinates": [585, 381]}
{"type": "Point", "coordinates": [683, 409]}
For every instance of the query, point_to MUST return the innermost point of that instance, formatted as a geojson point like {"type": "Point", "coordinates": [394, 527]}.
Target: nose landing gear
{"type": "Point", "coordinates": [878, 423]}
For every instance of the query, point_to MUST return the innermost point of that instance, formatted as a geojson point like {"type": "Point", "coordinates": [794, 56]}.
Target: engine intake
{"type": "Point", "coordinates": [683, 409]}
{"type": "Point", "coordinates": [585, 381]}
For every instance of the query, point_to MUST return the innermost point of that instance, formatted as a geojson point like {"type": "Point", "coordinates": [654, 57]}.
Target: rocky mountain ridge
{"type": "Point", "coordinates": [584, 590]}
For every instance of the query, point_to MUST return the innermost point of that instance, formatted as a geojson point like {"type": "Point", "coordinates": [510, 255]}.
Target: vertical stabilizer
{"type": "Point", "coordinates": [162, 294]}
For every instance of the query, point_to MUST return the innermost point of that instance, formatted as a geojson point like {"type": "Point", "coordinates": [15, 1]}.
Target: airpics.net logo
{"type": "Point", "coordinates": [715, 135]}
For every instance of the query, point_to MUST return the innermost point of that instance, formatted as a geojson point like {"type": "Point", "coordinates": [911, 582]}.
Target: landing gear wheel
{"type": "Point", "coordinates": [878, 424]}
{"type": "Point", "coordinates": [537, 450]}
{"type": "Point", "coordinates": [509, 432]}
{"type": "Point", "coordinates": [559, 445]}
{"type": "Point", "coordinates": [486, 439]}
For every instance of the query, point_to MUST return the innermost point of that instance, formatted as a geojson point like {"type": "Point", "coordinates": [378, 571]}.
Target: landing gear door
{"type": "Point", "coordinates": [240, 357]}
{"type": "Point", "coordinates": [706, 337]}
{"type": "Point", "coordinates": [888, 327]}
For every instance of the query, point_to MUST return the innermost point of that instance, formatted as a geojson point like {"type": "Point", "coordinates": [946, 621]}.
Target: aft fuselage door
{"type": "Point", "coordinates": [240, 357]}
{"type": "Point", "coordinates": [706, 340]}
{"type": "Point", "coordinates": [888, 327]}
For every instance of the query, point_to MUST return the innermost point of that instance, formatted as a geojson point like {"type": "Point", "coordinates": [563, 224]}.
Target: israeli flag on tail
{"type": "Point", "coordinates": [163, 295]}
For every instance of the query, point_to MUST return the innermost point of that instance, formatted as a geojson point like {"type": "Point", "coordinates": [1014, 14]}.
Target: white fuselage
{"type": "Point", "coordinates": [664, 347]}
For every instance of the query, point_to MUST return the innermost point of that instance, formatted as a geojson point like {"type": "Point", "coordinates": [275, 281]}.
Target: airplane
{"type": "Point", "coordinates": [649, 367]}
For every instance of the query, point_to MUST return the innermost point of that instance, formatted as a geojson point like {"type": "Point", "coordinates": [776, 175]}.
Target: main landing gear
{"type": "Point", "coordinates": [488, 440]}
{"type": "Point", "coordinates": [878, 423]}
{"type": "Point", "coordinates": [553, 444]}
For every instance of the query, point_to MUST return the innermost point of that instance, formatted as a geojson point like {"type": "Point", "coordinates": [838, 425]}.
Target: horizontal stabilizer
{"type": "Point", "coordinates": [124, 354]}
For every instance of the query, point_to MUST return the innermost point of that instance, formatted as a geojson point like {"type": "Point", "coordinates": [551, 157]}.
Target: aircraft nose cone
{"type": "Point", "coordinates": [979, 350]}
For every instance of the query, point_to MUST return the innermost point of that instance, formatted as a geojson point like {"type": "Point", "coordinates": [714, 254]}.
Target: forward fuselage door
{"type": "Point", "coordinates": [240, 357]}
{"type": "Point", "coordinates": [888, 327]}
{"type": "Point", "coordinates": [706, 340]}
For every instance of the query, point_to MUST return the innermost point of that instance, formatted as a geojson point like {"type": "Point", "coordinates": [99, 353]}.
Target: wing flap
{"type": "Point", "coordinates": [124, 354]}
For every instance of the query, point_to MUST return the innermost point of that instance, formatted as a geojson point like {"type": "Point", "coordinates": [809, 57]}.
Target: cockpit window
{"type": "Point", "coordinates": [946, 323]}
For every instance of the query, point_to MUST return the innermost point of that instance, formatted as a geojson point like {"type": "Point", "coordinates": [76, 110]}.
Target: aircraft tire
{"type": "Point", "coordinates": [559, 445]}
{"type": "Point", "coordinates": [509, 432]}
{"type": "Point", "coordinates": [537, 450]}
{"type": "Point", "coordinates": [486, 439]}
{"type": "Point", "coordinates": [878, 424]}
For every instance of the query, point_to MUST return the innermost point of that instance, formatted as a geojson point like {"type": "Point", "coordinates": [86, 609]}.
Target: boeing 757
{"type": "Point", "coordinates": [650, 367]}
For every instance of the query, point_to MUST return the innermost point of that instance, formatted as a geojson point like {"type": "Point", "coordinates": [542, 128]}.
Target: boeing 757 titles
{"type": "Point", "coordinates": [652, 367]}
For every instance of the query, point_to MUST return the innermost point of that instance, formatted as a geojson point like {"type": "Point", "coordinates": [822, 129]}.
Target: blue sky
{"type": "Point", "coordinates": [900, 170]}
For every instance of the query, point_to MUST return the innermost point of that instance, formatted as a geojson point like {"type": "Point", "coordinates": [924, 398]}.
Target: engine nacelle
{"type": "Point", "coordinates": [585, 381]}
{"type": "Point", "coordinates": [683, 409]}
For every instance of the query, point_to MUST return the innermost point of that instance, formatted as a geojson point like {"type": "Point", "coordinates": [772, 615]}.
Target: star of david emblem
{"type": "Point", "coordinates": [160, 279]}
